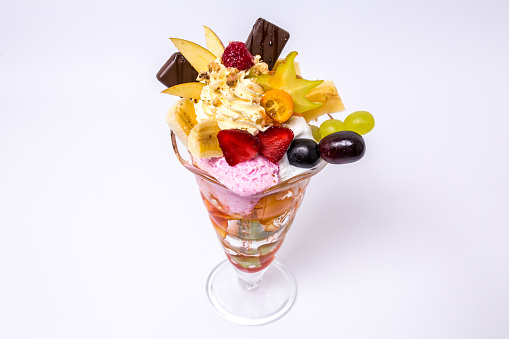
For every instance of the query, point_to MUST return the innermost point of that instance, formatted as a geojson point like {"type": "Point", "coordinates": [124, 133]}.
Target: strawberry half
{"type": "Point", "coordinates": [237, 145]}
{"type": "Point", "coordinates": [274, 142]}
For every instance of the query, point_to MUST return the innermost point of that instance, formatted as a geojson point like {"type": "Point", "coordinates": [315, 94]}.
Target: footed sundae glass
{"type": "Point", "coordinates": [249, 287]}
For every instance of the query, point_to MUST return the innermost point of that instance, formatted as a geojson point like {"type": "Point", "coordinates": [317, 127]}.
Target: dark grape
{"type": "Point", "coordinates": [342, 147]}
{"type": "Point", "coordinates": [303, 153]}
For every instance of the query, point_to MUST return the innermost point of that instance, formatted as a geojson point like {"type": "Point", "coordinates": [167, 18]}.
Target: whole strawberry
{"type": "Point", "coordinates": [236, 55]}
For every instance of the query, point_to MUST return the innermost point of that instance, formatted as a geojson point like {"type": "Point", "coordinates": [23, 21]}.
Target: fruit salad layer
{"type": "Point", "coordinates": [244, 113]}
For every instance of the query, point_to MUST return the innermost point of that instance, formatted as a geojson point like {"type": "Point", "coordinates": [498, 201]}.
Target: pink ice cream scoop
{"type": "Point", "coordinates": [246, 178]}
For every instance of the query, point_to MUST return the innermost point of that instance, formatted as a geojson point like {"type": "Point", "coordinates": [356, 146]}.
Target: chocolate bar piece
{"type": "Point", "coordinates": [176, 70]}
{"type": "Point", "coordinates": [267, 40]}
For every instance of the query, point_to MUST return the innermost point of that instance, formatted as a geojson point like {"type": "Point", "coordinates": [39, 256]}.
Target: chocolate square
{"type": "Point", "coordinates": [176, 70]}
{"type": "Point", "coordinates": [267, 40]}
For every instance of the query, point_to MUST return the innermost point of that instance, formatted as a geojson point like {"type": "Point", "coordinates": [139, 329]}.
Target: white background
{"type": "Point", "coordinates": [103, 234]}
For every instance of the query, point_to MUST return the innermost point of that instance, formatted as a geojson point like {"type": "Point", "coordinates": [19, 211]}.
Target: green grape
{"type": "Point", "coordinates": [331, 126]}
{"type": "Point", "coordinates": [361, 122]}
{"type": "Point", "coordinates": [316, 132]}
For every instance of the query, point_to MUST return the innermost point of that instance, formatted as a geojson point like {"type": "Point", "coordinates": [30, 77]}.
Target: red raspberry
{"type": "Point", "coordinates": [236, 55]}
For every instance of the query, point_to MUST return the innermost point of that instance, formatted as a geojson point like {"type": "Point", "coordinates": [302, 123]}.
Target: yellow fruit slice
{"type": "Point", "coordinates": [186, 90]}
{"type": "Point", "coordinates": [199, 57]}
{"type": "Point", "coordinates": [327, 94]}
{"type": "Point", "coordinates": [214, 44]}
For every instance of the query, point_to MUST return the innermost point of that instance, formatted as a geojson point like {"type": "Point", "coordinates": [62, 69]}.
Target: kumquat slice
{"type": "Point", "coordinates": [278, 104]}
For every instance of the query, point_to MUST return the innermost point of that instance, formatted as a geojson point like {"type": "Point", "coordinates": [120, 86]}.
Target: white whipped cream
{"type": "Point", "coordinates": [299, 127]}
{"type": "Point", "coordinates": [232, 99]}
{"type": "Point", "coordinates": [301, 130]}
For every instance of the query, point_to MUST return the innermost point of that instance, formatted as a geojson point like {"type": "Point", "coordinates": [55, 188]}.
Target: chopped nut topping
{"type": "Point", "coordinates": [203, 76]}
{"type": "Point", "coordinates": [230, 81]}
{"type": "Point", "coordinates": [214, 67]}
{"type": "Point", "coordinates": [259, 68]}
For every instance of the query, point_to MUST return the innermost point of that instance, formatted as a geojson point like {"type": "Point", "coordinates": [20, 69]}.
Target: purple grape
{"type": "Point", "coordinates": [342, 147]}
{"type": "Point", "coordinates": [303, 153]}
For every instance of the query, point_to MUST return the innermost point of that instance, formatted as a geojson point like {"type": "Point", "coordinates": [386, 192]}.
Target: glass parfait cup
{"type": "Point", "coordinates": [250, 288]}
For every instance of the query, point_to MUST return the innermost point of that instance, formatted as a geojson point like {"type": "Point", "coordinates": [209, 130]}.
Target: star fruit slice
{"type": "Point", "coordinates": [285, 78]}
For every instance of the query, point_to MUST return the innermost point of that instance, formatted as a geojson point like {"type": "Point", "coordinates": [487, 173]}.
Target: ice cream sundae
{"type": "Point", "coordinates": [246, 116]}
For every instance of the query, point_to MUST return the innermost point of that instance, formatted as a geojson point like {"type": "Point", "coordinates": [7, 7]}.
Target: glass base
{"type": "Point", "coordinates": [266, 302]}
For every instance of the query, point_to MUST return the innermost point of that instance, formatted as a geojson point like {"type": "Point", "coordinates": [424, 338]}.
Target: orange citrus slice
{"type": "Point", "coordinates": [278, 104]}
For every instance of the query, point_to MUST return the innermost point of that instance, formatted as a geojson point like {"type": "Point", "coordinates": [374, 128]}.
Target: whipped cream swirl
{"type": "Point", "coordinates": [231, 98]}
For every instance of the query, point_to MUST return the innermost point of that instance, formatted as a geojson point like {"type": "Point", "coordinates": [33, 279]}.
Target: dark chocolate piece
{"type": "Point", "coordinates": [267, 40]}
{"type": "Point", "coordinates": [176, 70]}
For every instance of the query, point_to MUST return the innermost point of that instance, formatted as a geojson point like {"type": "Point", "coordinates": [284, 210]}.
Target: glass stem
{"type": "Point", "coordinates": [250, 280]}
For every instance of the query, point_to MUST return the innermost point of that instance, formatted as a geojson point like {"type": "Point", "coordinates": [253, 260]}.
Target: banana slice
{"type": "Point", "coordinates": [327, 94]}
{"type": "Point", "coordinates": [182, 118]}
{"type": "Point", "coordinates": [202, 141]}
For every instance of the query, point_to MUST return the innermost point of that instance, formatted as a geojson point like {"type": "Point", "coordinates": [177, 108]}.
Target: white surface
{"type": "Point", "coordinates": [97, 217]}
